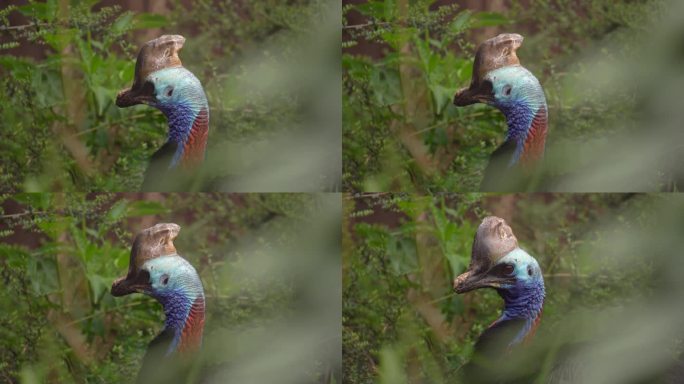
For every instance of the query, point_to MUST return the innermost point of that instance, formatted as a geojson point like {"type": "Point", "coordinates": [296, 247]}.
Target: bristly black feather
{"type": "Point", "coordinates": [155, 356]}
{"type": "Point", "coordinates": [158, 170]}
{"type": "Point", "coordinates": [498, 176]}
{"type": "Point", "coordinates": [491, 351]}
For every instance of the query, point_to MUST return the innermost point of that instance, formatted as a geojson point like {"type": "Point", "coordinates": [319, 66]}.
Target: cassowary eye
{"type": "Point", "coordinates": [164, 279]}
{"type": "Point", "coordinates": [508, 269]}
{"type": "Point", "coordinates": [507, 90]}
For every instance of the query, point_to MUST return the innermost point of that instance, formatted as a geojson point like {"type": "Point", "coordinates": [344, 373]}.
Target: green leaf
{"type": "Point", "coordinates": [103, 96]}
{"type": "Point", "coordinates": [144, 208]}
{"type": "Point", "coordinates": [460, 22]}
{"type": "Point", "coordinates": [404, 258]}
{"type": "Point", "coordinates": [442, 96]}
{"type": "Point", "coordinates": [118, 210]}
{"type": "Point", "coordinates": [60, 39]}
{"type": "Point", "coordinates": [149, 20]}
{"type": "Point", "coordinates": [123, 23]}
{"type": "Point", "coordinates": [43, 11]}
{"type": "Point", "coordinates": [98, 285]}
{"type": "Point", "coordinates": [489, 19]}
{"type": "Point", "coordinates": [375, 9]}
{"type": "Point", "coordinates": [38, 201]}
{"type": "Point", "coordinates": [121, 258]}
{"type": "Point", "coordinates": [386, 86]}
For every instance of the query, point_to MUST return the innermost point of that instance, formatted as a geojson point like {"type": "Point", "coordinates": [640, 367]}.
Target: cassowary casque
{"type": "Point", "coordinates": [162, 82]}
{"type": "Point", "coordinates": [158, 271]}
{"type": "Point", "coordinates": [500, 81]}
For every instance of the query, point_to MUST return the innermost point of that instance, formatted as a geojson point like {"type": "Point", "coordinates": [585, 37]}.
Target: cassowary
{"type": "Point", "coordinates": [162, 82]}
{"type": "Point", "coordinates": [500, 81]}
{"type": "Point", "coordinates": [157, 270]}
{"type": "Point", "coordinates": [497, 262]}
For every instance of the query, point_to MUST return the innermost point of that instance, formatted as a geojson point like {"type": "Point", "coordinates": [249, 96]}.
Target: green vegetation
{"type": "Point", "coordinates": [269, 266]}
{"type": "Point", "coordinates": [62, 131]}
{"type": "Point", "coordinates": [405, 61]}
{"type": "Point", "coordinates": [611, 265]}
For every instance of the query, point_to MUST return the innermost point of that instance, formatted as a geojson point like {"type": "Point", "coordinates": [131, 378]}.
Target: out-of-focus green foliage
{"type": "Point", "coordinates": [62, 131]}
{"type": "Point", "coordinates": [599, 255]}
{"type": "Point", "coordinates": [402, 133]}
{"type": "Point", "coordinates": [266, 287]}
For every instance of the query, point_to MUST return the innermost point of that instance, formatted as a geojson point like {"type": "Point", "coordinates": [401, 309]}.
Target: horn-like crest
{"type": "Point", "coordinates": [495, 53]}
{"type": "Point", "coordinates": [493, 240]}
{"type": "Point", "coordinates": [156, 54]}
{"type": "Point", "coordinates": [154, 242]}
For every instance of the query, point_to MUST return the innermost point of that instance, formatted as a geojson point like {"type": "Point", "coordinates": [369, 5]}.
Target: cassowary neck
{"type": "Point", "coordinates": [523, 303]}
{"type": "Point", "coordinates": [184, 319]}
{"type": "Point", "coordinates": [527, 127]}
{"type": "Point", "coordinates": [188, 129]}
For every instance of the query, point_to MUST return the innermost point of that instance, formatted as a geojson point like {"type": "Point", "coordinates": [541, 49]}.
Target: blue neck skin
{"type": "Point", "coordinates": [176, 308]}
{"type": "Point", "coordinates": [519, 118]}
{"type": "Point", "coordinates": [180, 117]}
{"type": "Point", "coordinates": [522, 301]}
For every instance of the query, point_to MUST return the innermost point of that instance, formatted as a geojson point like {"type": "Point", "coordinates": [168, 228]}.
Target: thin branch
{"type": "Point", "coordinates": [6, 28]}
{"type": "Point", "coordinates": [20, 214]}
{"type": "Point", "coordinates": [364, 25]}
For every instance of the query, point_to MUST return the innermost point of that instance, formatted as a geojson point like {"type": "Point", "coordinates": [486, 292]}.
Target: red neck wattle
{"type": "Point", "coordinates": [196, 143]}
{"type": "Point", "coordinates": [191, 335]}
{"type": "Point", "coordinates": [533, 148]}
{"type": "Point", "coordinates": [533, 328]}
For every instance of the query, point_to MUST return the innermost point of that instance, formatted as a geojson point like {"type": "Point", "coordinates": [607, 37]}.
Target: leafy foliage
{"type": "Point", "coordinates": [67, 134]}
{"type": "Point", "coordinates": [61, 252]}
{"type": "Point", "coordinates": [403, 324]}
{"type": "Point", "coordinates": [405, 62]}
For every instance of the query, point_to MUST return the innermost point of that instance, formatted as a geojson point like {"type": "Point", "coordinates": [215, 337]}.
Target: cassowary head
{"type": "Point", "coordinates": [157, 270]}
{"type": "Point", "coordinates": [497, 261]}
{"type": "Point", "coordinates": [162, 82]}
{"type": "Point", "coordinates": [500, 81]}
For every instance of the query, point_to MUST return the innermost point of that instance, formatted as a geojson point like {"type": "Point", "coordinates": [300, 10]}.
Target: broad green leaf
{"type": "Point", "coordinates": [386, 86]}
{"type": "Point", "coordinates": [98, 286]}
{"type": "Point", "coordinates": [118, 210]}
{"type": "Point", "coordinates": [103, 96]}
{"type": "Point", "coordinates": [375, 9]}
{"type": "Point", "coordinates": [149, 20]}
{"type": "Point", "coordinates": [489, 19]}
{"type": "Point", "coordinates": [123, 23]}
{"type": "Point", "coordinates": [60, 39]}
{"type": "Point", "coordinates": [37, 201]}
{"type": "Point", "coordinates": [460, 22]}
{"type": "Point", "coordinates": [46, 11]}
{"type": "Point", "coordinates": [442, 96]}
{"type": "Point", "coordinates": [144, 208]}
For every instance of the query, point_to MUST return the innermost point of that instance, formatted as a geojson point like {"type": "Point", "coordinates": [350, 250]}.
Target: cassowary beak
{"type": "Point", "coordinates": [480, 93]}
{"type": "Point", "coordinates": [150, 243]}
{"type": "Point", "coordinates": [468, 281]}
{"type": "Point", "coordinates": [139, 282]}
{"type": "Point", "coordinates": [495, 53]}
{"type": "Point", "coordinates": [132, 96]}
{"type": "Point", "coordinates": [156, 54]}
{"type": "Point", "coordinates": [493, 239]}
